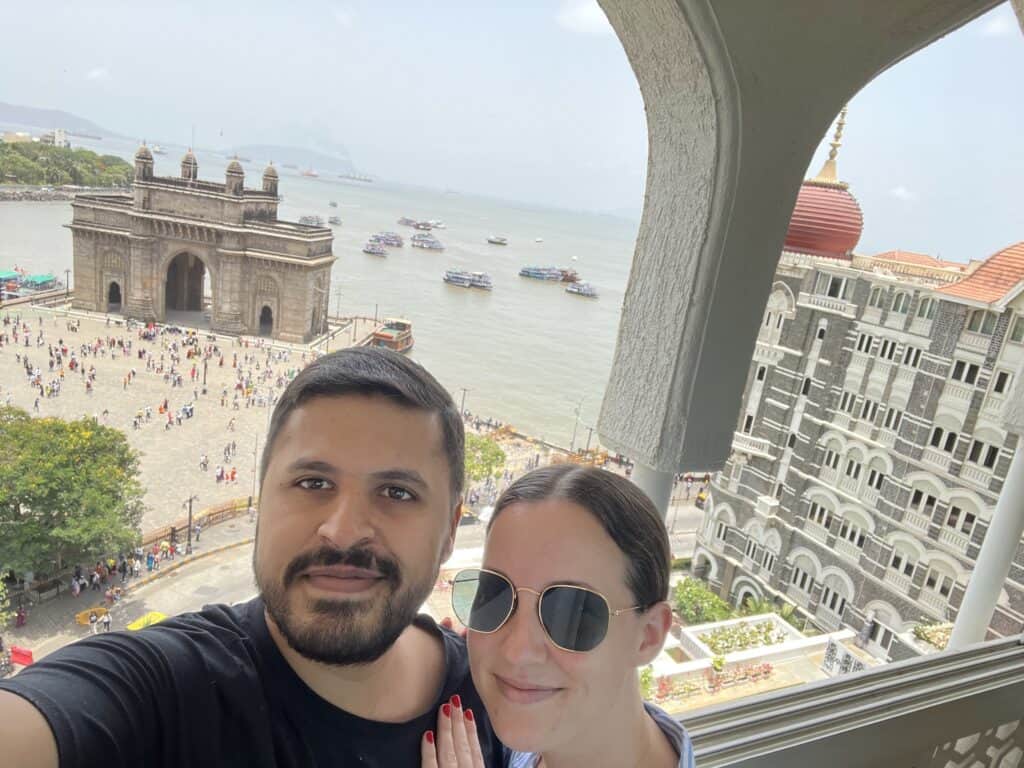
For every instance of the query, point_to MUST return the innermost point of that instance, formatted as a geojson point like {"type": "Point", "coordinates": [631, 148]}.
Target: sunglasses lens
{"type": "Point", "coordinates": [481, 601]}
{"type": "Point", "coordinates": [575, 619]}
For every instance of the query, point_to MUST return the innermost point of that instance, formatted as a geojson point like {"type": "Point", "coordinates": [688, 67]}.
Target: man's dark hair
{"type": "Point", "coordinates": [370, 371]}
{"type": "Point", "coordinates": [625, 512]}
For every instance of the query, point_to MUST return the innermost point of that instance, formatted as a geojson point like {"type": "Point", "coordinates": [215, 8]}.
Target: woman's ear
{"type": "Point", "coordinates": [656, 622]}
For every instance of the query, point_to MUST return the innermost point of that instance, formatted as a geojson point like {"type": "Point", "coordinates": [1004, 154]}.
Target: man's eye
{"type": "Point", "coordinates": [314, 484]}
{"type": "Point", "coordinates": [397, 493]}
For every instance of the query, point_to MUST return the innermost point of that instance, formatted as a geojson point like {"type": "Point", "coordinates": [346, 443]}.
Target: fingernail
{"type": "Point", "coordinates": [447, 710]}
{"type": "Point", "coordinates": [456, 701]}
{"type": "Point", "coordinates": [469, 715]}
{"type": "Point", "coordinates": [430, 737]}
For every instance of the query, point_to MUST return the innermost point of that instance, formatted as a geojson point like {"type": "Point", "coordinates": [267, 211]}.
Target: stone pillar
{"type": "Point", "coordinates": [138, 296]}
{"type": "Point", "coordinates": [656, 484]}
{"type": "Point", "coordinates": [229, 303]}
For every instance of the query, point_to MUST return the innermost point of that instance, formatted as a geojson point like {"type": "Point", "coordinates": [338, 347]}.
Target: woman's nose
{"type": "Point", "coordinates": [523, 639]}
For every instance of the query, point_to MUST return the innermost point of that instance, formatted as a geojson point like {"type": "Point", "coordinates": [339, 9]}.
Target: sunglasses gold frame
{"type": "Point", "coordinates": [612, 612]}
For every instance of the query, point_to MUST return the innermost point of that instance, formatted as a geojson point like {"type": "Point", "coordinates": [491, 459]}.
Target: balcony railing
{"type": "Point", "coordinates": [948, 709]}
{"type": "Point", "coordinates": [887, 438]}
{"type": "Point", "coordinates": [829, 475]}
{"type": "Point", "coordinates": [957, 392]}
{"type": "Point", "coordinates": [916, 520]}
{"type": "Point", "coordinates": [951, 538]}
{"type": "Point", "coordinates": [755, 446]}
{"type": "Point", "coordinates": [993, 405]}
{"type": "Point", "coordinates": [937, 458]}
{"type": "Point", "coordinates": [797, 595]}
{"type": "Point", "coordinates": [816, 532]}
{"type": "Point", "coordinates": [869, 496]}
{"type": "Point", "coordinates": [895, 320]}
{"type": "Point", "coordinates": [848, 484]}
{"type": "Point", "coordinates": [768, 353]}
{"type": "Point", "coordinates": [972, 473]}
{"type": "Point", "coordinates": [827, 303]}
{"type": "Point", "coordinates": [871, 315]}
{"type": "Point", "coordinates": [852, 551]}
{"type": "Point", "coordinates": [904, 377]}
{"type": "Point", "coordinates": [921, 327]}
{"type": "Point", "coordinates": [975, 341]}
{"type": "Point", "coordinates": [934, 601]}
{"type": "Point", "coordinates": [901, 581]}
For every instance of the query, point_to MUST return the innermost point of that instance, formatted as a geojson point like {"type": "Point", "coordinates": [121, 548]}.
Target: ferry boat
{"type": "Point", "coordinates": [311, 221]}
{"type": "Point", "coordinates": [375, 249]}
{"type": "Point", "coordinates": [396, 335]}
{"type": "Point", "coordinates": [481, 280]}
{"type": "Point", "coordinates": [424, 225]}
{"type": "Point", "coordinates": [569, 275]}
{"type": "Point", "coordinates": [310, 173]}
{"type": "Point", "coordinates": [333, 204]}
{"type": "Point", "coordinates": [335, 220]}
{"type": "Point", "coordinates": [392, 239]}
{"type": "Point", "coordinates": [582, 289]}
{"type": "Point", "coordinates": [465, 279]}
{"type": "Point", "coordinates": [437, 224]}
{"type": "Point", "coordinates": [541, 273]}
{"type": "Point", "coordinates": [16, 283]}
{"type": "Point", "coordinates": [158, 150]}
{"type": "Point", "coordinates": [429, 242]}
{"type": "Point", "coordinates": [497, 240]}
{"type": "Point", "coordinates": [405, 221]}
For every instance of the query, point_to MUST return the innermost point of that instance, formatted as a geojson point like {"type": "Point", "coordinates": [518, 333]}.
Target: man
{"type": "Point", "coordinates": [361, 480]}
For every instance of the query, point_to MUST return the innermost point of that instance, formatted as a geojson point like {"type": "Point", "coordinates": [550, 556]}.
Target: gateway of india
{"type": "Point", "coordinates": [149, 255]}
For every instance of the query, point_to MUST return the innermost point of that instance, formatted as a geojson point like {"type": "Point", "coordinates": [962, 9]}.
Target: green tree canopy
{"type": "Point", "coordinates": [69, 492]}
{"type": "Point", "coordinates": [34, 163]}
{"type": "Point", "coordinates": [697, 604]}
{"type": "Point", "coordinates": [484, 458]}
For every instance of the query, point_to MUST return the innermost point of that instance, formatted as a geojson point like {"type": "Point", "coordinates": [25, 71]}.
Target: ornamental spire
{"type": "Point", "coordinates": [827, 176]}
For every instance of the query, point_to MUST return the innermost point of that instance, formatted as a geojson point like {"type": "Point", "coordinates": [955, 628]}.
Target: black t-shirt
{"type": "Point", "coordinates": [212, 689]}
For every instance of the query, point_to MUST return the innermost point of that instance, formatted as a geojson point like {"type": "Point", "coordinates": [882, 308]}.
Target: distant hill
{"type": "Point", "coordinates": [300, 158]}
{"type": "Point", "coordinates": [49, 119]}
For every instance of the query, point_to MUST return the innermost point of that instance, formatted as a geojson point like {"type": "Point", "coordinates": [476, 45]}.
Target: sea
{"type": "Point", "coordinates": [527, 353]}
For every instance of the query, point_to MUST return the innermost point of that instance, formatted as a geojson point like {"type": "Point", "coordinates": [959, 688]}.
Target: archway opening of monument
{"type": "Point", "coordinates": [187, 291]}
{"type": "Point", "coordinates": [266, 321]}
{"type": "Point", "coordinates": [114, 297]}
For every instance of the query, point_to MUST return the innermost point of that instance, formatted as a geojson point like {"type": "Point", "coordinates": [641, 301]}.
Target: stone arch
{"type": "Point", "coordinates": [744, 588]}
{"type": "Point", "coordinates": [833, 440]}
{"type": "Point", "coordinates": [904, 541]}
{"type": "Point", "coordinates": [754, 529]}
{"type": "Point", "coordinates": [886, 614]}
{"type": "Point", "coordinates": [971, 502]}
{"type": "Point", "coordinates": [819, 494]}
{"type": "Point", "coordinates": [948, 420]}
{"type": "Point", "coordinates": [858, 517]}
{"type": "Point", "coordinates": [266, 321]}
{"type": "Point", "coordinates": [802, 554]}
{"type": "Point", "coordinates": [878, 459]}
{"type": "Point", "coordinates": [115, 296]}
{"type": "Point", "coordinates": [927, 481]}
{"type": "Point", "coordinates": [946, 563]}
{"type": "Point", "coordinates": [702, 558]}
{"type": "Point", "coordinates": [834, 576]}
{"type": "Point", "coordinates": [990, 435]}
{"type": "Point", "coordinates": [857, 452]}
{"type": "Point", "coordinates": [901, 302]}
{"type": "Point", "coordinates": [720, 513]}
{"type": "Point", "coordinates": [183, 279]}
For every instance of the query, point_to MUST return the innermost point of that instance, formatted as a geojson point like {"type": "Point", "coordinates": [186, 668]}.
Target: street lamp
{"type": "Point", "coordinates": [205, 363]}
{"type": "Point", "coordinates": [572, 443]}
{"type": "Point", "coordinates": [462, 407]}
{"type": "Point", "coordinates": [188, 544]}
{"type": "Point", "coordinates": [67, 283]}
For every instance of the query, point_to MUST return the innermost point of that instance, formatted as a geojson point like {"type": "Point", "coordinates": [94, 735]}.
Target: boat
{"type": "Point", "coordinates": [481, 280]}
{"type": "Point", "coordinates": [538, 239]}
{"type": "Point", "coordinates": [582, 289]}
{"type": "Point", "coordinates": [425, 225]}
{"type": "Point", "coordinates": [569, 275]}
{"type": "Point", "coordinates": [335, 220]}
{"type": "Point", "coordinates": [541, 273]}
{"type": "Point", "coordinates": [375, 249]}
{"type": "Point", "coordinates": [458, 277]}
{"type": "Point", "coordinates": [392, 239]}
{"type": "Point", "coordinates": [156, 149]}
{"type": "Point", "coordinates": [333, 204]}
{"type": "Point", "coordinates": [311, 221]}
{"type": "Point", "coordinates": [497, 240]}
{"type": "Point", "coordinates": [310, 173]}
{"type": "Point", "coordinates": [405, 221]}
{"type": "Point", "coordinates": [437, 224]}
{"type": "Point", "coordinates": [428, 241]}
{"type": "Point", "coordinates": [290, 166]}
{"type": "Point", "coordinates": [396, 335]}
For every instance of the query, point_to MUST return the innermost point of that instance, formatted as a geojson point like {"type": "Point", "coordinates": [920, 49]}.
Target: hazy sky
{"type": "Point", "coordinates": [531, 100]}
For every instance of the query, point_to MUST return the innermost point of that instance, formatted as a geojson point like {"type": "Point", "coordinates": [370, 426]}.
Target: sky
{"type": "Point", "coordinates": [531, 101]}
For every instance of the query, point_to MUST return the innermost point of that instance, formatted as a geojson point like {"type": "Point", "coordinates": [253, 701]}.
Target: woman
{"type": "Point", "coordinates": [571, 599]}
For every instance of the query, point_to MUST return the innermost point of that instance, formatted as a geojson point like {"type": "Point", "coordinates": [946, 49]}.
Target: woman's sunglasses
{"type": "Point", "coordinates": [574, 618]}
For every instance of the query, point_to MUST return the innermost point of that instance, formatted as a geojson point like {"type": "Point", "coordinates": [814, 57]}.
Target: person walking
{"type": "Point", "coordinates": [106, 621]}
{"type": "Point", "coordinates": [94, 622]}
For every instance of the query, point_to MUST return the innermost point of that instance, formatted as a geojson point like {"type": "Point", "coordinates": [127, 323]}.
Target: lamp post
{"type": "Point", "coordinates": [188, 544]}
{"type": "Point", "coordinates": [590, 433]}
{"type": "Point", "coordinates": [462, 407]}
{"type": "Point", "coordinates": [575, 426]}
{"type": "Point", "coordinates": [67, 283]}
{"type": "Point", "coordinates": [205, 363]}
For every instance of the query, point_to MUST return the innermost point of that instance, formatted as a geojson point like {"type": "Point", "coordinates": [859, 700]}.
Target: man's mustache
{"type": "Point", "coordinates": [357, 557]}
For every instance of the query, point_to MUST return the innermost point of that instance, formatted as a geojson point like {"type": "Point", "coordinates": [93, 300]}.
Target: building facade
{"type": "Point", "coordinates": [870, 449]}
{"type": "Point", "coordinates": [150, 253]}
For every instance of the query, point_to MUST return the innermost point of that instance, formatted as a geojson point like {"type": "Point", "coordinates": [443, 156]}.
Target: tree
{"type": "Point", "coordinates": [69, 492]}
{"type": "Point", "coordinates": [5, 605]}
{"type": "Point", "coordinates": [697, 604]}
{"type": "Point", "coordinates": [484, 458]}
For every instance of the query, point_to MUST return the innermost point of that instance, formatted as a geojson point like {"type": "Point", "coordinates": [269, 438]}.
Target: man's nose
{"type": "Point", "coordinates": [348, 520]}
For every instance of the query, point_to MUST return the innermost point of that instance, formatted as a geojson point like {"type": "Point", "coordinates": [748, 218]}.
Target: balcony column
{"type": "Point", "coordinates": [994, 560]}
{"type": "Point", "coordinates": [656, 484]}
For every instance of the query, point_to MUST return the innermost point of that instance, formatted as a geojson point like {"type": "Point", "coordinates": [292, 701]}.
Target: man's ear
{"type": "Point", "coordinates": [449, 545]}
{"type": "Point", "coordinates": [657, 620]}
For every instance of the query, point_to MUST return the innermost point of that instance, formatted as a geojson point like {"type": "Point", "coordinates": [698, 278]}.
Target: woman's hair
{"type": "Point", "coordinates": [624, 511]}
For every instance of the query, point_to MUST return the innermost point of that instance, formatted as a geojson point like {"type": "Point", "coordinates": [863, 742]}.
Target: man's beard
{"type": "Point", "coordinates": [342, 632]}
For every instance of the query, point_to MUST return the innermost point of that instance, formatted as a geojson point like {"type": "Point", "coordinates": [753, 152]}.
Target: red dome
{"type": "Point", "coordinates": [827, 221]}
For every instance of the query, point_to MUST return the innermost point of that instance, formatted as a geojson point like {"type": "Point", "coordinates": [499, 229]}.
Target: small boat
{"type": "Point", "coordinates": [437, 224]}
{"type": "Point", "coordinates": [310, 173]}
{"type": "Point", "coordinates": [541, 273]}
{"type": "Point", "coordinates": [428, 241]}
{"type": "Point", "coordinates": [538, 239]}
{"type": "Point", "coordinates": [497, 240]}
{"type": "Point", "coordinates": [405, 221]}
{"type": "Point", "coordinates": [311, 221]}
{"type": "Point", "coordinates": [424, 225]}
{"type": "Point", "coordinates": [392, 239]}
{"type": "Point", "coordinates": [569, 275]}
{"type": "Point", "coordinates": [375, 249]}
{"type": "Point", "coordinates": [158, 150]}
{"type": "Point", "coordinates": [335, 220]}
{"type": "Point", "coordinates": [480, 280]}
{"type": "Point", "coordinates": [396, 335]}
{"type": "Point", "coordinates": [582, 289]}
{"type": "Point", "coordinates": [333, 204]}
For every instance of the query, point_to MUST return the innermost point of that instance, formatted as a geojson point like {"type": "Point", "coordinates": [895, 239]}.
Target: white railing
{"type": "Point", "coordinates": [934, 601]}
{"type": "Point", "coordinates": [817, 301]}
{"type": "Point", "coordinates": [828, 475]}
{"type": "Point", "coordinates": [871, 315]}
{"type": "Point", "coordinates": [916, 520]}
{"type": "Point", "coordinates": [852, 551]}
{"type": "Point", "coordinates": [869, 496]}
{"type": "Point", "coordinates": [972, 473]}
{"type": "Point", "coordinates": [958, 392]}
{"type": "Point", "coordinates": [816, 532]}
{"type": "Point", "coordinates": [881, 370]}
{"type": "Point", "coordinates": [904, 377]}
{"type": "Point", "coordinates": [951, 538]}
{"type": "Point", "coordinates": [887, 438]}
{"type": "Point", "coordinates": [753, 445]}
{"type": "Point", "coordinates": [941, 710]}
{"type": "Point", "coordinates": [768, 353]}
{"type": "Point", "coordinates": [994, 404]}
{"type": "Point", "coordinates": [901, 581]}
{"type": "Point", "coordinates": [826, 618]}
{"type": "Point", "coordinates": [797, 595]}
{"type": "Point", "coordinates": [975, 341]}
{"type": "Point", "coordinates": [848, 484]}
{"type": "Point", "coordinates": [863, 427]}
{"type": "Point", "coordinates": [859, 360]}
{"type": "Point", "coordinates": [921, 327]}
{"type": "Point", "coordinates": [896, 320]}
{"type": "Point", "coordinates": [937, 458]}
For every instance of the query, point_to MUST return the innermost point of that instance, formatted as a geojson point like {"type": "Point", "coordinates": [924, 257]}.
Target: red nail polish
{"type": "Point", "coordinates": [469, 715]}
{"type": "Point", "coordinates": [456, 701]}
{"type": "Point", "coordinates": [447, 710]}
{"type": "Point", "coordinates": [430, 737]}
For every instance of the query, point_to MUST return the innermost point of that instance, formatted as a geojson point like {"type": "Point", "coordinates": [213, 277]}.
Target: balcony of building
{"type": "Point", "coordinates": [957, 395]}
{"type": "Point", "coordinates": [916, 520]}
{"type": "Point", "coordinates": [936, 458]}
{"type": "Point", "coordinates": [975, 342]}
{"type": "Point", "coordinates": [921, 326]}
{"type": "Point", "coordinates": [976, 475]}
{"type": "Point", "coordinates": [836, 306]}
{"type": "Point", "coordinates": [752, 446]}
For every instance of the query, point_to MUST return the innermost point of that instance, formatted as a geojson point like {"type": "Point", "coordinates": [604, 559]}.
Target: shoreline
{"type": "Point", "coordinates": [43, 194]}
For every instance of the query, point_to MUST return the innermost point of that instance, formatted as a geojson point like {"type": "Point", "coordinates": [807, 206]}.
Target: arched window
{"type": "Point", "coordinates": [981, 321]}
{"type": "Point", "coordinates": [835, 594]}
{"type": "Point", "coordinates": [877, 297]}
{"type": "Point", "coordinates": [926, 309]}
{"type": "Point", "coordinates": [804, 573]}
{"type": "Point", "coordinates": [901, 303]}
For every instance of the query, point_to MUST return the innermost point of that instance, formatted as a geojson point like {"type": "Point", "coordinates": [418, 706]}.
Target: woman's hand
{"type": "Point", "coordinates": [455, 744]}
